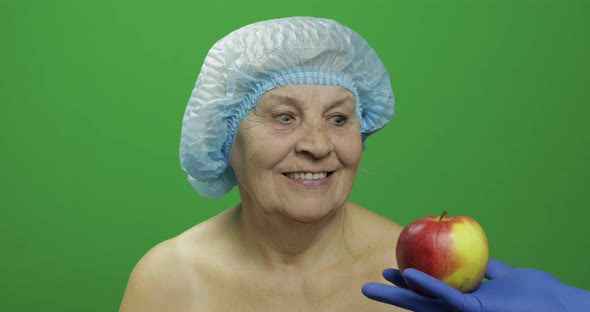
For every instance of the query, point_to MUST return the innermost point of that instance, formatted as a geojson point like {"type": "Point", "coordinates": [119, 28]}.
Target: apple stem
{"type": "Point", "coordinates": [444, 214]}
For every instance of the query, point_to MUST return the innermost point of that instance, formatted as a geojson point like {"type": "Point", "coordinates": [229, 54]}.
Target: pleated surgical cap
{"type": "Point", "coordinates": [258, 57]}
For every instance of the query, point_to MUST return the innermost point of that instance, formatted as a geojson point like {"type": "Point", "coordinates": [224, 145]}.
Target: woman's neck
{"type": "Point", "coordinates": [279, 242]}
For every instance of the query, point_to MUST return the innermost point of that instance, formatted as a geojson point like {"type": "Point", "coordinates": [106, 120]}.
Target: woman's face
{"type": "Point", "coordinates": [296, 153]}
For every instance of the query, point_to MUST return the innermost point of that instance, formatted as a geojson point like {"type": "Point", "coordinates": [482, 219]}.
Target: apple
{"type": "Point", "coordinates": [451, 249]}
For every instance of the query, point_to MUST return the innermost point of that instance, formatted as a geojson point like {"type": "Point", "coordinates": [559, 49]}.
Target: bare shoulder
{"type": "Point", "coordinates": [373, 222]}
{"type": "Point", "coordinates": [158, 279]}
{"type": "Point", "coordinates": [169, 276]}
{"type": "Point", "coordinates": [376, 235]}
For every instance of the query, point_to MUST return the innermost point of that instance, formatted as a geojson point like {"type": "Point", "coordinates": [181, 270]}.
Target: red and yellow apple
{"type": "Point", "coordinates": [451, 249]}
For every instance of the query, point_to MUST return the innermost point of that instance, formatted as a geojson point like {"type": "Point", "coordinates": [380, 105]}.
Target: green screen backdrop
{"type": "Point", "coordinates": [492, 121]}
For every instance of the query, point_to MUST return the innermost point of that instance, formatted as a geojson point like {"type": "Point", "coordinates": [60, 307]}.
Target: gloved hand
{"type": "Point", "coordinates": [508, 289]}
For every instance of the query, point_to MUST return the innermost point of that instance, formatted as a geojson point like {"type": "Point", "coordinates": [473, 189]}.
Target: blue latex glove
{"type": "Point", "coordinates": [508, 289]}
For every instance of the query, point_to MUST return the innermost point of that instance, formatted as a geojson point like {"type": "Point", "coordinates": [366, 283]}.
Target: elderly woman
{"type": "Point", "coordinates": [281, 108]}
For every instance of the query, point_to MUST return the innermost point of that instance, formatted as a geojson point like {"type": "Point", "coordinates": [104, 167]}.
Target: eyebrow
{"type": "Point", "coordinates": [341, 101]}
{"type": "Point", "coordinates": [289, 100]}
{"type": "Point", "coordinates": [281, 98]}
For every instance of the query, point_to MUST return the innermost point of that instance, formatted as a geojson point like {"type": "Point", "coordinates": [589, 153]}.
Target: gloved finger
{"type": "Point", "coordinates": [403, 298]}
{"type": "Point", "coordinates": [435, 287]}
{"type": "Point", "coordinates": [395, 277]}
{"type": "Point", "coordinates": [496, 268]}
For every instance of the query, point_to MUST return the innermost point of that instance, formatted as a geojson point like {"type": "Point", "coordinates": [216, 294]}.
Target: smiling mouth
{"type": "Point", "coordinates": [307, 175]}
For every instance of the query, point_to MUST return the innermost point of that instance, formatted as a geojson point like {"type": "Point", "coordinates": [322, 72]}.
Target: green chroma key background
{"type": "Point", "coordinates": [492, 121]}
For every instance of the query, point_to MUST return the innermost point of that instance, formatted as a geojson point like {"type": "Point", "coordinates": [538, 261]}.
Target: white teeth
{"type": "Point", "coordinates": [307, 175]}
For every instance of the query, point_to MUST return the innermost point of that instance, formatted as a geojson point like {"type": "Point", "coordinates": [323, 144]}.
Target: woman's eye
{"type": "Point", "coordinates": [284, 118]}
{"type": "Point", "coordinates": [338, 120]}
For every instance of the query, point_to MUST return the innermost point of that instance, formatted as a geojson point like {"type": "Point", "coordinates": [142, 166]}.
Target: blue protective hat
{"type": "Point", "coordinates": [258, 57]}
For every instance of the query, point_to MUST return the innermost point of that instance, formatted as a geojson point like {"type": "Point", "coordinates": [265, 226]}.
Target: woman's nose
{"type": "Point", "coordinates": [314, 141]}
